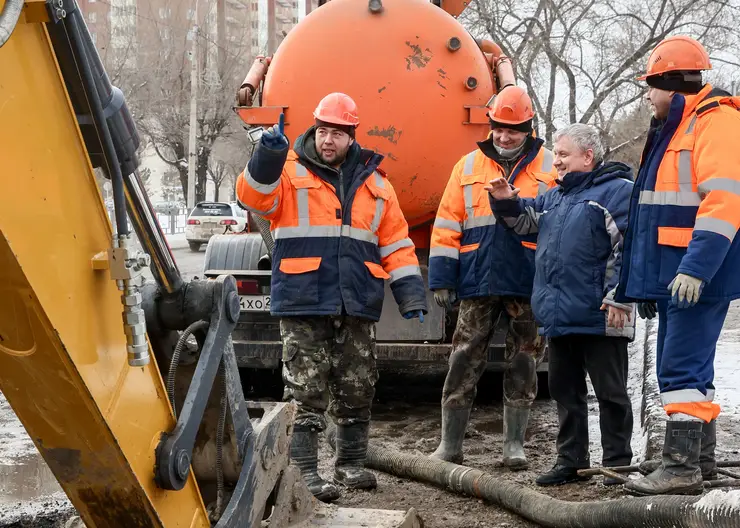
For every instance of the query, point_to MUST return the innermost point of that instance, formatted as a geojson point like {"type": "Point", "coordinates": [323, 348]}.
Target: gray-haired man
{"type": "Point", "coordinates": [580, 226]}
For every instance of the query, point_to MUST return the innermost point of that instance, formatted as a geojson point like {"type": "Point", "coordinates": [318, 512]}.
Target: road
{"type": "Point", "coordinates": [189, 262]}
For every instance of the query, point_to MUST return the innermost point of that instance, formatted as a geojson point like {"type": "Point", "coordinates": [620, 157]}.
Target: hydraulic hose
{"type": "Point", "coordinates": [9, 19]}
{"type": "Point", "coordinates": [74, 25]}
{"type": "Point", "coordinates": [264, 229]}
{"type": "Point", "coordinates": [175, 361]}
{"type": "Point", "coordinates": [220, 446]}
{"type": "Point", "coordinates": [658, 512]}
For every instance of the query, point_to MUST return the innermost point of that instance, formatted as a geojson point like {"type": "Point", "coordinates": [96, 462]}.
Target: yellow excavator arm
{"type": "Point", "coordinates": [85, 344]}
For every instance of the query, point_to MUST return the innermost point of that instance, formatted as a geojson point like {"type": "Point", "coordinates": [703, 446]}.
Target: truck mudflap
{"type": "Point", "coordinates": [268, 354]}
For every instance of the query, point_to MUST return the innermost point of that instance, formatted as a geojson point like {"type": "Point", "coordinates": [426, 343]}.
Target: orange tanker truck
{"type": "Point", "coordinates": [422, 84]}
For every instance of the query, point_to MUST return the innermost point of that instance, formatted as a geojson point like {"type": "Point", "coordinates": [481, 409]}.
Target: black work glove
{"type": "Point", "coordinates": [647, 310]}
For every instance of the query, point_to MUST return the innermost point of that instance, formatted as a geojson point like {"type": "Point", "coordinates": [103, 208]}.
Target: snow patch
{"type": "Point", "coordinates": [726, 376]}
{"type": "Point", "coordinates": [32, 513]}
{"type": "Point", "coordinates": [635, 389]}
{"type": "Point", "coordinates": [727, 373]}
{"type": "Point", "coordinates": [14, 441]}
{"type": "Point", "coordinates": [719, 501]}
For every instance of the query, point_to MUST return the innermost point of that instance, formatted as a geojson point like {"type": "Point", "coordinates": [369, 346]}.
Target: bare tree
{"type": "Point", "coordinates": [218, 172]}
{"type": "Point", "coordinates": [579, 58]}
{"type": "Point", "coordinates": [161, 102]}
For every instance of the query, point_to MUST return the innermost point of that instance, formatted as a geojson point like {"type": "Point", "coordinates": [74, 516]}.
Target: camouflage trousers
{"type": "Point", "coordinates": [525, 350]}
{"type": "Point", "coordinates": [329, 365]}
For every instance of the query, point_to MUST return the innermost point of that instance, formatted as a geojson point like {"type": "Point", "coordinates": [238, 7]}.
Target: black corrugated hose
{"type": "Point", "coordinates": [175, 361]}
{"type": "Point", "coordinates": [9, 16]}
{"type": "Point", "coordinates": [668, 511]}
{"type": "Point", "coordinates": [220, 445]}
{"type": "Point", "coordinates": [264, 228]}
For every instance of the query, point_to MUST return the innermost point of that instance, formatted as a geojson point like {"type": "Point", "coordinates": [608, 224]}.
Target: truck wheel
{"type": "Point", "coordinates": [234, 253]}
{"type": "Point", "coordinates": [194, 246]}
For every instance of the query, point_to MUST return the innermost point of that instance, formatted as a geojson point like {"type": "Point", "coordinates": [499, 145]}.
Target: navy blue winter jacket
{"type": "Point", "coordinates": [580, 225]}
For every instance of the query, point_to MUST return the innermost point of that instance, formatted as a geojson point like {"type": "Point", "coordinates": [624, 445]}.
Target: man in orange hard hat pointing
{"type": "Point", "coordinates": [682, 254]}
{"type": "Point", "coordinates": [492, 270]}
{"type": "Point", "coordinates": [339, 235]}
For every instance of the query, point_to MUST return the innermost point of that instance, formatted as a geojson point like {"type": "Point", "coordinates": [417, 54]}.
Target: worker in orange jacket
{"type": "Point", "coordinates": [339, 235]}
{"type": "Point", "coordinates": [492, 270]}
{"type": "Point", "coordinates": [682, 252]}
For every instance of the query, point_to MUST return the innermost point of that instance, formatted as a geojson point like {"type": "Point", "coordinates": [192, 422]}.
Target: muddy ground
{"type": "Point", "coordinates": [414, 428]}
{"type": "Point", "coordinates": [406, 417]}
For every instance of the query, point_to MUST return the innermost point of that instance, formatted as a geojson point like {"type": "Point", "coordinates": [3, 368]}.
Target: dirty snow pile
{"type": "Point", "coordinates": [719, 502]}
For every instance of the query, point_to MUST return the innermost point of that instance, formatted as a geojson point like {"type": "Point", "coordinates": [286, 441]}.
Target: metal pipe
{"type": "Point", "coordinates": [590, 472]}
{"type": "Point", "coordinates": [254, 77]}
{"type": "Point", "coordinates": [9, 19]}
{"type": "Point", "coordinates": [504, 71]}
{"type": "Point", "coordinates": [488, 46]}
{"type": "Point", "coordinates": [500, 63]}
{"type": "Point", "coordinates": [164, 268]}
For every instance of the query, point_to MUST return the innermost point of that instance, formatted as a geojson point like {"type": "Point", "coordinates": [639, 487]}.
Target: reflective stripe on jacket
{"type": "Point", "coordinates": [327, 257]}
{"type": "Point", "coordinates": [685, 207]}
{"type": "Point", "coordinates": [579, 227]}
{"type": "Point", "coordinates": [469, 252]}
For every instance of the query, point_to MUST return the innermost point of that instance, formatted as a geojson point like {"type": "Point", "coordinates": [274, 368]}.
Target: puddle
{"type": "Point", "coordinates": [26, 479]}
{"type": "Point", "coordinates": [495, 427]}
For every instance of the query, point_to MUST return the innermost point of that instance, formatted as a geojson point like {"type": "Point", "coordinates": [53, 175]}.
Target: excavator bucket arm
{"type": "Point", "coordinates": [85, 343]}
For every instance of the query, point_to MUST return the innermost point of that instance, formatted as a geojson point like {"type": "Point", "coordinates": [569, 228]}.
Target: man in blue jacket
{"type": "Point", "coordinates": [580, 227]}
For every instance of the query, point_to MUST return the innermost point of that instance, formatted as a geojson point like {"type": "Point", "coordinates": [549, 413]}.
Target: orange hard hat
{"type": "Point", "coordinates": [338, 109]}
{"type": "Point", "coordinates": [511, 106]}
{"type": "Point", "coordinates": [677, 53]}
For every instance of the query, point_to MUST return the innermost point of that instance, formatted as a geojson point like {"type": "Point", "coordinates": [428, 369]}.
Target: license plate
{"type": "Point", "coordinates": [254, 303]}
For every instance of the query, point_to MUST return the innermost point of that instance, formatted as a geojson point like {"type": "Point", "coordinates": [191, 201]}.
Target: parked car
{"type": "Point", "coordinates": [213, 218]}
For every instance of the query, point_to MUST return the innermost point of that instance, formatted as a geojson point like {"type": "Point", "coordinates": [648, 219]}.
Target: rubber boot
{"type": "Point", "coordinates": [679, 473]}
{"type": "Point", "coordinates": [375, 6]}
{"type": "Point", "coordinates": [454, 423]}
{"type": "Point", "coordinates": [304, 452]}
{"type": "Point", "coordinates": [515, 425]}
{"type": "Point", "coordinates": [349, 469]}
{"type": "Point", "coordinates": [707, 462]}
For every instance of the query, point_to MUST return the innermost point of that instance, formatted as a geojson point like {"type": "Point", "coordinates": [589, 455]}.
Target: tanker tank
{"type": "Point", "coordinates": [420, 80]}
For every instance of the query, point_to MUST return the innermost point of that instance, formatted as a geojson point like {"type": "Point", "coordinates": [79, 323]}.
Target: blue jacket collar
{"type": "Point", "coordinates": [605, 171]}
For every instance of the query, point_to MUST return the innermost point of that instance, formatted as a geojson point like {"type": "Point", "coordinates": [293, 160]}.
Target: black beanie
{"type": "Point", "coordinates": [521, 127]}
{"type": "Point", "coordinates": [688, 82]}
{"type": "Point", "coordinates": [349, 129]}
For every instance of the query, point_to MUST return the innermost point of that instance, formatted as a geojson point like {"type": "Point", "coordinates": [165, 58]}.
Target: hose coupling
{"type": "Point", "coordinates": [126, 268]}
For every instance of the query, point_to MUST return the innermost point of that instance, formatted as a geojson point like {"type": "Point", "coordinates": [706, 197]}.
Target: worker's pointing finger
{"type": "Point", "coordinates": [281, 123]}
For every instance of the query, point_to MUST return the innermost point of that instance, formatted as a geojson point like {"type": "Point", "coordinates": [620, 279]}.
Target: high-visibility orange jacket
{"type": "Point", "coordinates": [334, 247]}
{"type": "Point", "coordinates": [469, 251]}
{"type": "Point", "coordinates": [685, 206]}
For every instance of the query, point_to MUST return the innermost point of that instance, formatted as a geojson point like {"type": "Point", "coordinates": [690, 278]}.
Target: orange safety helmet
{"type": "Point", "coordinates": [511, 106]}
{"type": "Point", "coordinates": [338, 109]}
{"type": "Point", "coordinates": [677, 53]}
